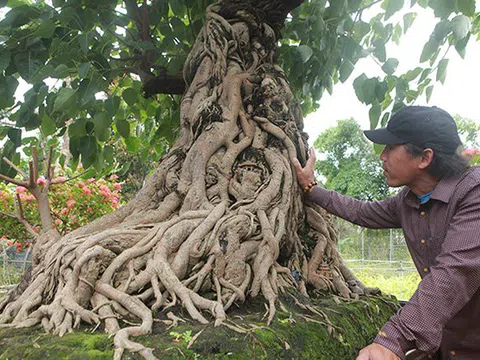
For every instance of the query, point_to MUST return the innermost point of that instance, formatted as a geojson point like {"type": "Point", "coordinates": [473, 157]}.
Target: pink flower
{"type": "Point", "coordinates": [36, 229]}
{"type": "Point", "coordinates": [58, 221]}
{"type": "Point", "coordinates": [80, 184]}
{"type": "Point", "coordinates": [469, 153]}
{"type": "Point", "coordinates": [87, 191]}
{"type": "Point", "coordinates": [9, 243]}
{"type": "Point", "coordinates": [71, 203]}
{"type": "Point", "coordinates": [29, 197]}
{"type": "Point", "coordinates": [91, 180]}
{"type": "Point", "coordinates": [60, 179]}
{"type": "Point", "coordinates": [106, 194]}
{"type": "Point", "coordinates": [20, 189]}
{"type": "Point", "coordinates": [64, 211]}
{"type": "Point", "coordinates": [113, 177]}
{"type": "Point", "coordinates": [114, 203]}
{"type": "Point", "coordinates": [42, 181]}
{"type": "Point", "coordinates": [117, 186]}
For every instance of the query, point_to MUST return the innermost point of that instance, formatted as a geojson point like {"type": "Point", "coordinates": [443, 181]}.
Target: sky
{"type": "Point", "coordinates": [459, 95]}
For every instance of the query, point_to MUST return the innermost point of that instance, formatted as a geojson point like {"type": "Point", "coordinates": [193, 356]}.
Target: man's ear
{"type": "Point", "coordinates": [427, 158]}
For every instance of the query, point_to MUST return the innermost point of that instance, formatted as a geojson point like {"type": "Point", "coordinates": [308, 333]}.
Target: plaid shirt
{"type": "Point", "coordinates": [443, 237]}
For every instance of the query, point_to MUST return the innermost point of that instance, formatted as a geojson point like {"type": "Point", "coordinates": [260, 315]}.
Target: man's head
{"type": "Point", "coordinates": [420, 141]}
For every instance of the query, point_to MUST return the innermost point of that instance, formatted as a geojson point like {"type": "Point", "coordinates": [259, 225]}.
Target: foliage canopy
{"type": "Point", "coordinates": [103, 72]}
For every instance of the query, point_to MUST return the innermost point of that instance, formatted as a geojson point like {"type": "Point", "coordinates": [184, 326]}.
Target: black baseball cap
{"type": "Point", "coordinates": [424, 126]}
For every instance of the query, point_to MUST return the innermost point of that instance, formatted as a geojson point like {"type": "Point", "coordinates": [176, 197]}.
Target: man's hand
{"type": "Point", "coordinates": [305, 175]}
{"type": "Point", "coordinates": [376, 352]}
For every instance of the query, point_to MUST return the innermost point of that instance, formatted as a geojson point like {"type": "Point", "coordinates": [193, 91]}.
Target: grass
{"type": "Point", "coordinates": [390, 280]}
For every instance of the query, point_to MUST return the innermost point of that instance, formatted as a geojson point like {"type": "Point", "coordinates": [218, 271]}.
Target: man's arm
{"type": "Point", "coordinates": [376, 214]}
{"type": "Point", "coordinates": [445, 290]}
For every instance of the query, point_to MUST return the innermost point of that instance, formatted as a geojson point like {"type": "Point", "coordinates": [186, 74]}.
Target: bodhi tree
{"type": "Point", "coordinates": [222, 216]}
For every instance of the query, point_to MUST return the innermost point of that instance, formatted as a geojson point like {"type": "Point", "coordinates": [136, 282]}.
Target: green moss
{"type": "Point", "coordinates": [353, 325]}
{"type": "Point", "coordinates": [34, 344]}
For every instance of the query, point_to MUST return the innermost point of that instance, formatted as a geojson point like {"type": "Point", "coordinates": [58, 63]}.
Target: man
{"type": "Point", "coordinates": [439, 212]}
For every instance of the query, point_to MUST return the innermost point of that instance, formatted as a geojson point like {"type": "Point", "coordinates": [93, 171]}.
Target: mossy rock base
{"type": "Point", "coordinates": [343, 329]}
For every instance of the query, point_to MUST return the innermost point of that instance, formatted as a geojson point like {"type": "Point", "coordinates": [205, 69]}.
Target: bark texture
{"type": "Point", "coordinates": [222, 218]}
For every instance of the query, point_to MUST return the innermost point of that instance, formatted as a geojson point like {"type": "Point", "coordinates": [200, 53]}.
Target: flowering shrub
{"type": "Point", "coordinates": [73, 204]}
{"type": "Point", "coordinates": [473, 154]}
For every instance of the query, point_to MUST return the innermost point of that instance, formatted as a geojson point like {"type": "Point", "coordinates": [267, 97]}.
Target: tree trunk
{"type": "Point", "coordinates": [222, 217]}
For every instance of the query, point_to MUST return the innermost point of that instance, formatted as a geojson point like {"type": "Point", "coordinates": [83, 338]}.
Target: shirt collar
{"type": "Point", "coordinates": [442, 192]}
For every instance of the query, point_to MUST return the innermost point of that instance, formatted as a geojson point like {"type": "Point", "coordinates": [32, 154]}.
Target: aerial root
{"type": "Point", "coordinates": [137, 308]}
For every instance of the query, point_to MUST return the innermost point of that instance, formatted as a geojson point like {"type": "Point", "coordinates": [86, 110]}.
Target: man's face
{"type": "Point", "coordinates": [400, 167]}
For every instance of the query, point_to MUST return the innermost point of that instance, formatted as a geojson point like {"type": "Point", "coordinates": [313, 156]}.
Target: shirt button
{"type": "Point", "coordinates": [422, 213]}
{"type": "Point", "coordinates": [425, 270]}
{"type": "Point", "coordinates": [423, 241]}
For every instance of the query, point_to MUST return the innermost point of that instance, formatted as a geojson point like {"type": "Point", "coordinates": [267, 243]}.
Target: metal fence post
{"type": "Point", "coordinates": [391, 245]}
{"type": "Point", "coordinates": [363, 245]}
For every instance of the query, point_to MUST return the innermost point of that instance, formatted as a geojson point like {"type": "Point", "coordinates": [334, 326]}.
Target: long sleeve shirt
{"type": "Point", "coordinates": [443, 237]}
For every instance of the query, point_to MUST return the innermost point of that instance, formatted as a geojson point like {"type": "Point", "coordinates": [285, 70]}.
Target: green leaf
{"type": "Point", "coordinates": [45, 30]}
{"type": "Point", "coordinates": [177, 7]}
{"type": "Point", "coordinates": [374, 115]}
{"type": "Point", "coordinates": [384, 120]}
{"type": "Point", "coordinates": [378, 148]}
{"type": "Point", "coordinates": [346, 70]}
{"type": "Point", "coordinates": [84, 42]}
{"type": "Point", "coordinates": [8, 85]}
{"type": "Point", "coordinates": [461, 26]}
{"type": "Point", "coordinates": [15, 135]}
{"type": "Point", "coordinates": [48, 126]}
{"type": "Point", "coordinates": [429, 91]}
{"type": "Point", "coordinates": [123, 128]}
{"type": "Point", "coordinates": [412, 74]}
{"type": "Point", "coordinates": [442, 8]}
{"type": "Point", "coordinates": [130, 96]}
{"type": "Point", "coordinates": [381, 90]}
{"type": "Point", "coordinates": [380, 51]}
{"type": "Point", "coordinates": [368, 89]}
{"type": "Point", "coordinates": [408, 20]}
{"type": "Point", "coordinates": [83, 70]}
{"type": "Point", "coordinates": [4, 59]}
{"type": "Point", "coordinates": [77, 129]}
{"type": "Point", "coordinates": [442, 70]}
{"type": "Point", "coordinates": [88, 149]}
{"type": "Point", "coordinates": [391, 7]}
{"type": "Point", "coordinates": [306, 52]}
{"type": "Point", "coordinates": [424, 75]}
{"type": "Point", "coordinates": [358, 86]}
{"type": "Point", "coordinates": [102, 125]}
{"type": "Point", "coordinates": [360, 29]}
{"type": "Point", "coordinates": [466, 6]}
{"type": "Point", "coordinates": [111, 105]}
{"type": "Point", "coordinates": [390, 66]}
{"type": "Point", "coordinates": [429, 49]}
{"type": "Point", "coordinates": [61, 71]}
{"type": "Point", "coordinates": [65, 98]}
{"type": "Point", "coordinates": [442, 29]}
{"type": "Point", "coordinates": [461, 45]}
{"type": "Point", "coordinates": [133, 144]}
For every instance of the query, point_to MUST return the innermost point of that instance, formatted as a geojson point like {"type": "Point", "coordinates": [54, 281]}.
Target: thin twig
{"type": "Point", "coordinates": [13, 181]}
{"type": "Point", "coordinates": [17, 169]}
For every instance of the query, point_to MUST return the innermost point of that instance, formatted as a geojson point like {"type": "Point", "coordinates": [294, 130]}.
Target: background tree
{"type": "Point", "coordinates": [469, 132]}
{"type": "Point", "coordinates": [222, 216]}
{"type": "Point", "coordinates": [349, 164]}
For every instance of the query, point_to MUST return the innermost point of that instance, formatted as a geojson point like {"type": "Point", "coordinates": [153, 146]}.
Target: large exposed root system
{"type": "Point", "coordinates": [222, 218]}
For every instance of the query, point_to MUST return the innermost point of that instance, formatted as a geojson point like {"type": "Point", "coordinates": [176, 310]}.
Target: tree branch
{"type": "Point", "coordinates": [17, 169]}
{"type": "Point", "coordinates": [13, 181]}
